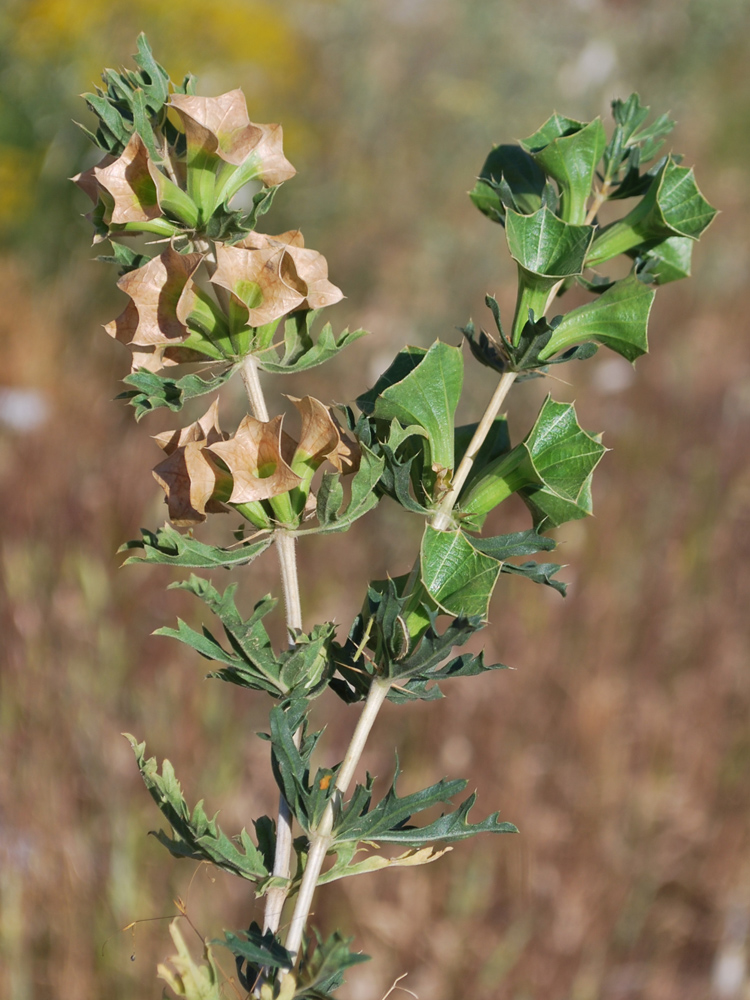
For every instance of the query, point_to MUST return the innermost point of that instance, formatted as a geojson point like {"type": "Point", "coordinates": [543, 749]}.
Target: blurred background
{"type": "Point", "coordinates": [619, 744]}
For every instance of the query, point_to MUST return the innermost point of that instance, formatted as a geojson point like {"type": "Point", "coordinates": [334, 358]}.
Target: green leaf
{"type": "Point", "coordinates": [125, 258]}
{"type": "Point", "coordinates": [195, 836]}
{"type": "Point", "coordinates": [545, 246]}
{"type": "Point", "coordinates": [509, 179]}
{"type": "Point", "coordinates": [631, 144]}
{"type": "Point", "coordinates": [450, 828]}
{"type": "Point", "coordinates": [231, 225]}
{"type": "Point", "coordinates": [291, 765]}
{"type": "Point", "coordinates": [618, 319]}
{"type": "Point", "coordinates": [152, 391]}
{"type": "Point", "coordinates": [543, 573]}
{"type": "Point", "coordinates": [256, 950]}
{"type": "Point", "coordinates": [404, 645]}
{"type": "Point", "coordinates": [299, 671]}
{"type": "Point", "coordinates": [425, 686]}
{"type": "Point", "coordinates": [392, 812]}
{"type": "Point", "coordinates": [322, 966]}
{"type": "Point", "coordinates": [519, 543]}
{"type": "Point", "coordinates": [387, 821]}
{"type": "Point", "coordinates": [551, 470]}
{"type": "Point", "coordinates": [569, 151]}
{"type": "Point", "coordinates": [402, 451]}
{"type": "Point", "coordinates": [421, 388]}
{"type": "Point", "coordinates": [300, 351]}
{"type": "Point", "coordinates": [667, 261]}
{"type": "Point", "coordinates": [547, 250]}
{"type": "Point", "coordinates": [463, 570]}
{"type": "Point", "coordinates": [458, 577]}
{"type": "Point", "coordinates": [673, 206]}
{"type": "Point", "coordinates": [168, 546]}
{"type": "Point", "coordinates": [153, 78]}
{"type": "Point", "coordinates": [362, 498]}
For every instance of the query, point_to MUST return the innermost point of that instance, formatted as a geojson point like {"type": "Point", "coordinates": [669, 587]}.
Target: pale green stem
{"type": "Point", "coordinates": [287, 555]}
{"type": "Point", "coordinates": [275, 898]}
{"type": "Point", "coordinates": [320, 839]}
{"type": "Point", "coordinates": [441, 519]}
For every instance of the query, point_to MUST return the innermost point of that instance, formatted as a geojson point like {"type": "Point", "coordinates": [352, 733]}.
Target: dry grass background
{"type": "Point", "coordinates": [619, 744]}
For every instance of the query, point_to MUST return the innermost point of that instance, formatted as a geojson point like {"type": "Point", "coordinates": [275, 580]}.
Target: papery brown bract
{"type": "Point", "coordinates": [221, 126]}
{"type": "Point", "coordinates": [280, 270]}
{"type": "Point", "coordinates": [321, 438]}
{"type": "Point", "coordinates": [156, 318]}
{"type": "Point", "coordinates": [258, 458]}
{"type": "Point", "coordinates": [189, 475]}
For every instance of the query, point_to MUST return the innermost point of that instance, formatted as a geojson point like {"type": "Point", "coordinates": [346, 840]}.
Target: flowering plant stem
{"type": "Point", "coordinates": [222, 298]}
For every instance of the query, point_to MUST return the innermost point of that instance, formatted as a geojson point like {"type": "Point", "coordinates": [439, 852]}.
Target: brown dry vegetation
{"type": "Point", "coordinates": [619, 744]}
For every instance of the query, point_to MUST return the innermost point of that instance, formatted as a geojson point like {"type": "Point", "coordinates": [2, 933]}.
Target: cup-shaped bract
{"type": "Point", "coordinates": [225, 149]}
{"type": "Point", "coordinates": [154, 324]}
{"type": "Point", "coordinates": [270, 276]}
{"type": "Point", "coordinates": [194, 484]}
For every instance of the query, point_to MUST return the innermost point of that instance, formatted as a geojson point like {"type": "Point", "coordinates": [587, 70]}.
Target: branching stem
{"type": "Point", "coordinates": [320, 840]}
{"type": "Point", "coordinates": [441, 519]}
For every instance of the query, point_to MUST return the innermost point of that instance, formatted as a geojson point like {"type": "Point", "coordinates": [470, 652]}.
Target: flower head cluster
{"type": "Point", "coordinates": [184, 184]}
{"type": "Point", "coordinates": [205, 468]}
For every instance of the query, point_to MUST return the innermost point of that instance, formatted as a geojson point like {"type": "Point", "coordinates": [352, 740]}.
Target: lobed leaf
{"type": "Point", "coordinates": [335, 515]}
{"type": "Point", "coordinates": [422, 388]}
{"type": "Point", "coordinates": [299, 671]}
{"type": "Point", "coordinates": [152, 391]}
{"type": "Point", "coordinates": [300, 350]}
{"type": "Point", "coordinates": [195, 836]}
{"type": "Point", "coordinates": [618, 319]}
{"type": "Point", "coordinates": [168, 546]}
{"type": "Point", "coordinates": [551, 470]}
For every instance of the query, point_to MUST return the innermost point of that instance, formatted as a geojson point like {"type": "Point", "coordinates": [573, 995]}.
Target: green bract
{"type": "Point", "coordinates": [224, 300]}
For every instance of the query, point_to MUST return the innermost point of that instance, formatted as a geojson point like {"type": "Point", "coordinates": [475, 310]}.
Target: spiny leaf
{"type": "Point", "coordinates": [386, 822]}
{"type": "Point", "coordinates": [195, 836]}
{"type": "Point", "coordinates": [299, 671]}
{"type": "Point", "coordinates": [256, 950]}
{"type": "Point", "coordinates": [421, 388]}
{"type": "Point", "coordinates": [301, 349]}
{"type": "Point", "coordinates": [335, 515]}
{"type": "Point", "coordinates": [672, 206]}
{"type": "Point", "coordinates": [551, 470]}
{"type": "Point", "coordinates": [458, 577]}
{"type": "Point", "coordinates": [618, 319]}
{"type": "Point", "coordinates": [569, 151]}
{"type": "Point", "coordinates": [545, 246]}
{"type": "Point", "coordinates": [450, 828]}
{"type": "Point", "coordinates": [509, 179]}
{"type": "Point", "coordinates": [632, 144]}
{"type": "Point", "coordinates": [168, 546]}
{"type": "Point", "coordinates": [323, 964]}
{"type": "Point", "coordinates": [666, 261]}
{"type": "Point", "coordinates": [152, 391]}
{"type": "Point", "coordinates": [291, 765]}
